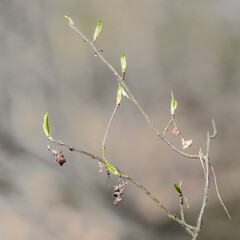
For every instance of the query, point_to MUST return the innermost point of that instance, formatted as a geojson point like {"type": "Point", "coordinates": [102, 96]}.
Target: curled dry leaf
{"type": "Point", "coordinates": [118, 191]}
{"type": "Point", "coordinates": [175, 130]}
{"type": "Point", "coordinates": [102, 167]}
{"type": "Point", "coordinates": [59, 157]}
{"type": "Point", "coordinates": [186, 144]}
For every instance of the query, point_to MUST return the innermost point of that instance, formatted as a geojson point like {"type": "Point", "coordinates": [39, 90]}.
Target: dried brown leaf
{"type": "Point", "coordinates": [175, 130]}
{"type": "Point", "coordinates": [102, 167]}
{"type": "Point", "coordinates": [59, 157]}
{"type": "Point", "coordinates": [118, 191]}
{"type": "Point", "coordinates": [186, 144]}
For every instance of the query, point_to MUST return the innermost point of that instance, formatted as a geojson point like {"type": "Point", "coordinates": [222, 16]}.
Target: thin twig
{"type": "Point", "coordinates": [219, 197]}
{"type": "Point", "coordinates": [201, 160]}
{"type": "Point", "coordinates": [188, 227]}
{"type": "Point", "coordinates": [131, 97]}
{"type": "Point", "coordinates": [214, 175]}
{"type": "Point", "coordinates": [181, 202]}
{"type": "Point", "coordinates": [96, 50]}
{"type": "Point", "coordinates": [74, 149]}
{"type": "Point", "coordinates": [207, 181]}
{"type": "Point", "coordinates": [168, 125]}
{"type": "Point", "coordinates": [139, 185]}
{"type": "Point", "coordinates": [181, 208]}
{"type": "Point", "coordinates": [214, 134]}
{"type": "Point", "coordinates": [194, 231]}
{"type": "Point", "coordinates": [205, 198]}
{"type": "Point", "coordinates": [107, 131]}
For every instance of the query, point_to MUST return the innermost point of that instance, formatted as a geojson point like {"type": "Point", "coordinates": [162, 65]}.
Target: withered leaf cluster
{"type": "Point", "coordinates": [118, 191]}
{"type": "Point", "coordinates": [175, 130]}
{"type": "Point", "coordinates": [185, 144]}
{"type": "Point", "coordinates": [59, 157]}
{"type": "Point", "coordinates": [102, 167]}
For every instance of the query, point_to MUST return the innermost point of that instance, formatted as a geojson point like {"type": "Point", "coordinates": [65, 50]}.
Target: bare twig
{"type": "Point", "coordinates": [213, 172]}
{"type": "Point", "coordinates": [74, 149]}
{"type": "Point", "coordinates": [107, 131]}
{"type": "Point", "coordinates": [201, 160]}
{"type": "Point", "coordinates": [218, 194]}
{"type": "Point", "coordinates": [188, 227]}
{"type": "Point", "coordinates": [181, 208]}
{"type": "Point", "coordinates": [205, 198]}
{"type": "Point", "coordinates": [207, 180]}
{"type": "Point", "coordinates": [166, 128]}
{"type": "Point", "coordinates": [139, 185]}
{"type": "Point", "coordinates": [181, 202]}
{"type": "Point", "coordinates": [214, 175]}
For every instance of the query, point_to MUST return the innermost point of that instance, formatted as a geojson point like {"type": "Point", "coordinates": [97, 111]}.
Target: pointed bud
{"type": "Point", "coordinates": [46, 127]}
{"type": "Point", "coordinates": [69, 20]}
{"type": "Point", "coordinates": [112, 169]}
{"type": "Point", "coordinates": [173, 104]}
{"type": "Point", "coordinates": [97, 30]}
{"type": "Point", "coordinates": [123, 64]}
{"type": "Point", "coordinates": [119, 95]}
{"type": "Point", "coordinates": [178, 189]}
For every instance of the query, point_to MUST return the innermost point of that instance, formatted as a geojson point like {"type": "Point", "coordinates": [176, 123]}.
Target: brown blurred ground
{"type": "Point", "coordinates": [188, 46]}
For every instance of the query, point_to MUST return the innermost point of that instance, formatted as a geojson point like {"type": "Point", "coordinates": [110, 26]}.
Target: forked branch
{"type": "Point", "coordinates": [124, 90]}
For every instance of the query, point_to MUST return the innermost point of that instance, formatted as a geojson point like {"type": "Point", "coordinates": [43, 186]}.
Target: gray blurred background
{"type": "Point", "coordinates": [192, 47]}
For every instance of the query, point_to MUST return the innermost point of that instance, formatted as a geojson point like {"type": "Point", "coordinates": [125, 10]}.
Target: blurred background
{"type": "Point", "coordinates": [192, 47]}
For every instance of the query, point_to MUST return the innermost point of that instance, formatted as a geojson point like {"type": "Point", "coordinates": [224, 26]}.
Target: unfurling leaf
{"type": "Point", "coordinates": [112, 169]}
{"type": "Point", "coordinates": [46, 127]}
{"type": "Point", "coordinates": [124, 93]}
{"type": "Point", "coordinates": [97, 30]}
{"type": "Point", "coordinates": [119, 95]}
{"type": "Point", "coordinates": [69, 20]}
{"type": "Point", "coordinates": [186, 144]}
{"type": "Point", "coordinates": [173, 104]}
{"type": "Point", "coordinates": [123, 64]}
{"type": "Point", "coordinates": [178, 189]}
{"type": "Point", "coordinates": [121, 92]}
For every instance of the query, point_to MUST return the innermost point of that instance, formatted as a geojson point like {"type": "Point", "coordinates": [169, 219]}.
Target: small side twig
{"type": "Point", "coordinates": [218, 194]}
{"type": "Point", "coordinates": [168, 125]}
{"type": "Point", "coordinates": [213, 171]}
{"type": "Point", "coordinates": [201, 160]}
{"type": "Point", "coordinates": [107, 131]}
{"type": "Point", "coordinates": [181, 202]}
{"type": "Point", "coordinates": [188, 227]}
{"type": "Point", "coordinates": [207, 181]}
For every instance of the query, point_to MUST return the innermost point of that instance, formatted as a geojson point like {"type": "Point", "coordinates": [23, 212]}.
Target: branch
{"type": "Point", "coordinates": [204, 159]}
{"type": "Point", "coordinates": [207, 180]}
{"type": "Point", "coordinates": [169, 123]}
{"type": "Point", "coordinates": [123, 175]}
{"type": "Point", "coordinates": [218, 194]}
{"type": "Point", "coordinates": [131, 97]}
{"type": "Point", "coordinates": [74, 149]}
{"type": "Point", "coordinates": [107, 131]}
{"type": "Point", "coordinates": [213, 172]}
